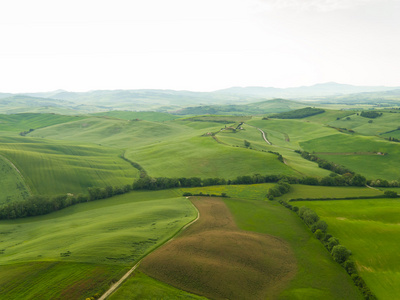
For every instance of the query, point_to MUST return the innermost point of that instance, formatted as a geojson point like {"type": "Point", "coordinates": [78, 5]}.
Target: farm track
{"type": "Point", "coordinates": [127, 274]}
{"type": "Point", "coordinates": [19, 172]}
{"type": "Point", "coordinates": [262, 133]}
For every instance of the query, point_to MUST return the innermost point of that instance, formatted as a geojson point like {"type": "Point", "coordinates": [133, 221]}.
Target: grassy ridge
{"type": "Point", "coordinates": [386, 122]}
{"type": "Point", "coordinates": [13, 186]}
{"type": "Point", "coordinates": [116, 232]}
{"type": "Point", "coordinates": [204, 157]}
{"type": "Point", "coordinates": [292, 160]}
{"type": "Point", "coordinates": [371, 166]}
{"type": "Point", "coordinates": [179, 144]}
{"type": "Point", "coordinates": [369, 228]}
{"type": "Point", "coordinates": [143, 115]}
{"type": "Point", "coordinates": [26, 121]}
{"type": "Point", "coordinates": [55, 168]}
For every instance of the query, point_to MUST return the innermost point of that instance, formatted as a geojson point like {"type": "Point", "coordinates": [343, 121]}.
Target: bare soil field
{"type": "Point", "coordinates": [215, 259]}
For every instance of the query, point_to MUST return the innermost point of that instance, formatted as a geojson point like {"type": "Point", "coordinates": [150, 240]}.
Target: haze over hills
{"type": "Point", "coordinates": [317, 90]}
{"type": "Point", "coordinates": [177, 101]}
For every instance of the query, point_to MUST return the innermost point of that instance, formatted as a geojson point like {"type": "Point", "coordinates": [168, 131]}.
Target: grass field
{"type": "Point", "coordinates": [251, 191]}
{"type": "Point", "coordinates": [379, 125]}
{"type": "Point", "coordinates": [293, 160]}
{"type": "Point", "coordinates": [370, 229]}
{"type": "Point", "coordinates": [142, 286]}
{"type": "Point", "coordinates": [52, 167]}
{"type": "Point", "coordinates": [215, 259]}
{"type": "Point", "coordinates": [308, 191]}
{"type": "Point", "coordinates": [92, 240]}
{"type": "Point", "coordinates": [13, 187]}
{"type": "Point", "coordinates": [371, 166]}
{"type": "Point", "coordinates": [55, 280]}
{"type": "Point", "coordinates": [143, 115]}
{"type": "Point", "coordinates": [318, 276]}
{"type": "Point", "coordinates": [26, 121]}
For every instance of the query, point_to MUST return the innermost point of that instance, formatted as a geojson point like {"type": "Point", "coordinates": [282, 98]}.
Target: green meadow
{"type": "Point", "coordinates": [12, 183]}
{"type": "Point", "coordinates": [362, 154]}
{"type": "Point", "coordinates": [367, 126]}
{"type": "Point", "coordinates": [142, 286]}
{"type": "Point", "coordinates": [96, 239]}
{"type": "Point", "coordinates": [50, 167]}
{"type": "Point", "coordinates": [370, 229]}
{"type": "Point", "coordinates": [318, 276]}
{"type": "Point", "coordinates": [309, 191]}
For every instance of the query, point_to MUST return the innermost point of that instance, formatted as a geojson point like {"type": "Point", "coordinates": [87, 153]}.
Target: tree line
{"type": "Point", "coordinates": [298, 113]}
{"type": "Point", "coordinates": [323, 163]}
{"type": "Point", "coordinates": [40, 205]}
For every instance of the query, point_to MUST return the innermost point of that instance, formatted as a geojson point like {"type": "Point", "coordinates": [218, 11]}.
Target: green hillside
{"type": "Point", "coordinates": [257, 108]}
{"type": "Point", "coordinates": [143, 115]}
{"type": "Point", "coordinates": [370, 229]}
{"type": "Point", "coordinates": [27, 121]}
{"type": "Point", "coordinates": [51, 167]}
{"type": "Point", "coordinates": [77, 252]}
{"type": "Point", "coordinates": [13, 186]}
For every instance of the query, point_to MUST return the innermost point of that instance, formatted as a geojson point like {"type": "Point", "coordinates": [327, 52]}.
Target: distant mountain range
{"type": "Point", "coordinates": [317, 90]}
{"type": "Point", "coordinates": [171, 100]}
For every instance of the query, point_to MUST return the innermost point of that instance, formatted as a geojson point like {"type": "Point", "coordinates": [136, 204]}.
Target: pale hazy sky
{"type": "Point", "coordinates": [200, 45]}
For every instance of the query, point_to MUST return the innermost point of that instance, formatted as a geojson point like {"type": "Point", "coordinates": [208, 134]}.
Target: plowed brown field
{"type": "Point", "coordinates": [215, 259]}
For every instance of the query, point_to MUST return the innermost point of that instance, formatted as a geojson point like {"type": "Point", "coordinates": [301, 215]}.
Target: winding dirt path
{"type": "Point", "coordinates": [262, 133]}
{"type": "Point", "coordinates": [127, 274]}
{"type": "Point", "coordinates": [264, 137]}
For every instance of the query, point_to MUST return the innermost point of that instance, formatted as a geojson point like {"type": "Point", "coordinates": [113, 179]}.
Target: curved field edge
{"type": "Point", "coordinates": [214, 258]}
{"type": "Point", "coordinates": [141, 286]}
{"type": "Point", "coordinates": [52, 167]}
{"type": "Point", "coordinates": [114, 233]}
{"type": "Point", "coordinates": [37, 280]}
{"type": "Point", "coordinates": [13, 186]}
{"type": "Point", "coordinates": [318, 276]}
{"type": "Point", "coordinates": [370, 229]}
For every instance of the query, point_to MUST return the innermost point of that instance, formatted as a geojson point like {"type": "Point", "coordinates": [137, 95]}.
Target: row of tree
{"type": "Point", "coordinates": [39, 205]}
{"type": "Point", "coordinates": [338, 252]}
{"type": "Point", "coordinates": [281, 188]}
{"type": "Point", "coordinates": [298, 113]}
{"type": "Point", "coordinates": [370, 114]}
{"type": "Point", "coordinates": [383, 183]}
{"type": "Point", "coordinates": [324, 164]}
{"type": "Point", "coordinates": [42, 205]}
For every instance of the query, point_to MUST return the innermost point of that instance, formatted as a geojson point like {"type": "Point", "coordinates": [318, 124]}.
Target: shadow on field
{"type": "Point", "coordinates": [215, 259]}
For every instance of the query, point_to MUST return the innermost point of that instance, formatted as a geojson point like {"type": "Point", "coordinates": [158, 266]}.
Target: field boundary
{"type": "Point", "coordinates": [19, 172]}
{"type": "Point", "coordinates": [116, 285]}
{"type": "Point", "coordinates": [340, 198]}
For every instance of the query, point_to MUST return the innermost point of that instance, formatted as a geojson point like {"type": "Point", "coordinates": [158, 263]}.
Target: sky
{"type": "Point", "coordinates": [198, 45]}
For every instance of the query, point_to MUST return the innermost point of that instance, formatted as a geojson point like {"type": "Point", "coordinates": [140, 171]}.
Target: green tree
{"type": "Point", "coordinates": [390, 194]}
{"type": "Point", "coordinates": [340, 253]}
{"type": "Point", "coordinates": [332, 242]}
{"type": "Point", "coordinates": [319, 225]}
{"type": "Point", "coordinates": [247, 144]}
{"type": "Point", "coordinates": [319, 234]}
